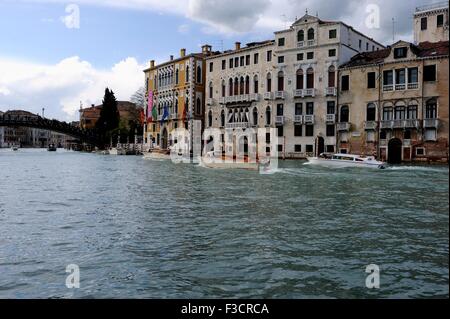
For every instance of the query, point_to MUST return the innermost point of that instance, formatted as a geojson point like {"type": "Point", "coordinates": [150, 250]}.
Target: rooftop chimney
{"type": "Point", "coordinates": [152, 64]}
{"type": "Point", "coordinates": [238, 46]}
{"type": "Point", "coordinates": [182, 53]}
{"type": "Point", "coordinates": [206, 48]}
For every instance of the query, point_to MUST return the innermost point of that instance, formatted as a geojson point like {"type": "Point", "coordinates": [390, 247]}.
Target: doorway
{"type": "Point", "coordinates": [395, 151]}
{"type": "Point", "coordinates": [320, 146]}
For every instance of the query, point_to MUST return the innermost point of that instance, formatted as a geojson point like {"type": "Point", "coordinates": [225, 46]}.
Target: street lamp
{"type": "Point", "coordinates": [43, 110]}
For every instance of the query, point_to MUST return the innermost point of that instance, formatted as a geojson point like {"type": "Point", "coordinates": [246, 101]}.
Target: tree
{"type": "Point", "coordinates": [138, 98]}
{"type": "Point", "coordinates": [108, 123]}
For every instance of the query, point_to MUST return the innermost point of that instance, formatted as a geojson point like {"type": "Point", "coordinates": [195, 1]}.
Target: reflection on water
{"type": "Point", "coordinates": [152, 229]}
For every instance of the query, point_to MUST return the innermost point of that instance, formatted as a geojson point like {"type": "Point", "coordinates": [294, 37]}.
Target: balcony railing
{"type": "Point", "coordinates": [237, 125]}
{"type": "Point", "coordinates": [413, 86]}
{"type": "Point", "coordinates": [311, 42]}
{"type": "Point", "coordinates": [279, 120]}
{"type": "Point", "coordinates": [343, 127]}
{"type": "Point", "coordinates": [298, 93]}
{"type": "Point", "coordinates": [268, 96]}
{"type": "Point", "coordinates": [331, 91]}
{"type": "Point", "coordinates": [210, 101]}
{"type": "Point", "coordinates": [298, 119]}
{"type": "Point", "coordinates": [309, 92]}
{"type": "Point", "coordinates": [388, 88]}
{"type": "Point", "coordinates": [222, 100]}
{"type": "Point", "coordinates": [308, 119]}
{"type": "Point", "coordinates": [254, 97]}
{"type": "Point", "coordinates": [301, 44]}
{"type": "Point", "coordinates": [398, 124]}
{"type": "Point", "coordinates": [370, 125]}
{"type": "Point", "coordinates": [331, 118]}
{"type": "Point", "coordinates": [412, 124]}
{"type": "Point", "coordinates": [387, 124]}
{"type": "Point", "coordinates": [280, 95]}
{"type": "Point", "coordinates": [400, 87]}
{"type": "Point", "coordinates": [431, 123]}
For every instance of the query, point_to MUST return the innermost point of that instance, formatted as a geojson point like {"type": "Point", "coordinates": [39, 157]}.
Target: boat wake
{"type": "Point", "coordinates": [417, 168]}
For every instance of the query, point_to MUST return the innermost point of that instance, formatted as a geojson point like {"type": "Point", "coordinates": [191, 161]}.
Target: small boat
{"type": "Point", "coordinates": [52, 148]}
{"type": "Point", "coordinates": [157, 155]}
{"type": "Point", "coordinates": [346, 160]}
{"type": "Point", "coordinates": [15, 148]}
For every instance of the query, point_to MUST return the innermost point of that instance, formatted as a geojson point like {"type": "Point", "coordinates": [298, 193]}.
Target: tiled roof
{"type": "Point", "coordinates": [423, 50]}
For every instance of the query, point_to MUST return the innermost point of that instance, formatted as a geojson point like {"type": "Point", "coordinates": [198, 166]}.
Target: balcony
{"type": "Point", "coordinates": [222, 100]}
{"type": "Point", "coordinates": [280, 95]}
{"type": "Point", "coordinates": [239, 125]}
{"type": "Point", "coordinates": [387, 125]}
{"type": "Point", "coordinates": [174, 116]}
{"type": "Point", "coordinates": [400, 87]}
{"type": "Point", "coordinates": [398, 124]}
{"type": "Point", "coordinates": [309, 92]}
{"type": "Point", "coordinates": [301, 44]}
{"type": "Point", "coordinates": [370, 126]}
{"type": "Point", "coordinates": [431, 123]}
{"type": "Point", "coordinates": [343, 127]}
{"type": "Point", "coordinates": [331, 118]}
{"type": "Point", "coordinates": [298, 119]}
{"type": "Point", "coordinates": [268, 96]}
{"type": "Point", "coordinates": [254, 97]}
{"type": "Point", "coordinates": [245, 98]}
{"type": "Point", "coordinates": [388, 88]}
{"type": "Point", "coordinates": [413, 86]}
{"type": "Point", "coordinates": [412, 124]}
{"type": "Point", "coordinates": [210, 101]}
{"type": "Point", "coordinates": [331, 91]}
{"type": "Point", "coordinates": [298, 93]}
{"type": "Point", "coordinates": [311, 43]}
{"type": "Point", "coordinates": [308, 119]}
{"type": "Point", "coordinates": [279, 120]}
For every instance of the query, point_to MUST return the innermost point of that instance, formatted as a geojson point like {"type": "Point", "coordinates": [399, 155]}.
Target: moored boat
{"type": "Point", "coordinates": [346, 160]}
{"type": "Point", "coordinates": [52, 148]}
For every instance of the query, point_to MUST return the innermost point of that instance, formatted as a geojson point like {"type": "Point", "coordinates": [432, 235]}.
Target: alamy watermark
{"type": "Point", "coordinates": [73, 279]}
{"type": "Point", "coordinates": [373, 279]}
{"type": "Point", "coordinates": [72, 19]}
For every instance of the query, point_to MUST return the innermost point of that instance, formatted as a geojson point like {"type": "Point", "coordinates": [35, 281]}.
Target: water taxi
{"type": "Point", "coordinates": [346, 160]}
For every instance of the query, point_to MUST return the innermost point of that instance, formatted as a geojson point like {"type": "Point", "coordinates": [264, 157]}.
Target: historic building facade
{"type": "Point", "coordinates": [289, 84]}
{"type": "Point", "coordinates": [394, 103]}
{"type": "Point", "coordinates": [175, 91]}
{"type": "Point", "coordinates": [431, 23]}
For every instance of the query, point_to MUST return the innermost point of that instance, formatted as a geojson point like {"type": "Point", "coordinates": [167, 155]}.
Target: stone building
{"type": "Point", "coordinates": [431, 23]}
{"type": "Point", "coordinates": [393, 103]}
{"type": "Point", "coordinates": [288, 84]}
{"type": "Point", "coordinates": [175, 91]}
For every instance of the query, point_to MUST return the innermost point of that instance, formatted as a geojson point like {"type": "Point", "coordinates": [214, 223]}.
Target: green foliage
{"type": "Point", "coordinates": [108, 123]}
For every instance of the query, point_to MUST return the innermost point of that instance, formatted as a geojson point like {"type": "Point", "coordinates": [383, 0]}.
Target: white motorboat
{"type": "Point", "coordinates": [346, 160]}
{"type": "Point", "coordinates": [157, 155]}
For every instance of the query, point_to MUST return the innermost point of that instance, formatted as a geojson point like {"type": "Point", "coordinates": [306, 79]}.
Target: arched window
{"type": "Point", "coordinates": [255, 84]}
{"type": "Point", "coordinates": [210, 119]}
{"type": "Point", "coordinates": [344, 114]}
{"type": "Point", "coordinates": [247, 85]}
{"type": "Point", "coordinates": [301, 36]}
{"type": "Point", "coordinates": [268, 116]}
{"type": "Point", "coordinates": [269, 82]}
{"type": "Point", "coordinates": [371, 112]}
{"type": "Point", "coordinates": [280, 81]}
{"type": "Point", "coordinates": [412, 111]}
{"type": "Point", "coordinates": [187, 74]}
{"type": "Point", "coordinates": [311, 34]}
{"type": "Point", "coordinates": [236, 86]}
{"type": "Point", "coordinates": [300, 78]}
{"type": "Point", "coordinates": [388, 113]}
{"type": "Point", "coordinates": [255, 116]}
{"type": "Point", "coordinates": [230, 116]}
{"type": "Point", "coordinates": [310, 78]}
{"type": "Point", "coordinates": [230, 87]}
{"type": "Point", "coordinates": [431, 109]}
{"type": "Point", "coordinates": [199, 74]}
{"type": "Point", "coordinates": [198, 108]}
{"type": "Point", "coordinates": [242, 87]}
{"type": "Point", "coordinates": [331, 77]}
{"type": "Point", "coordinates": [400, 112]}
{"type": "Point", "coordinates": [177, 76]}
{"type": "Point", "coordinates": [223, 88]}
{"type": "Point", "coordinates": [222, 119]}
{"type": "Point", "coordinates": [211, 90]}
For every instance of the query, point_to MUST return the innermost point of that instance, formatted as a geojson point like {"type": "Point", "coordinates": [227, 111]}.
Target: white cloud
{"type": "Point", "coordinates": [184, 28]}
{"type": "Point", "coordinates": [60, 87]}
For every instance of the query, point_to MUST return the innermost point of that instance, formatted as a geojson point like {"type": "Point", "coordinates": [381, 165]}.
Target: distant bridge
{"type": "Point", "coordinates": [84, 136]}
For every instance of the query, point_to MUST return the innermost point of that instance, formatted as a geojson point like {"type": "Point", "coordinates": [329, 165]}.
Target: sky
{"type": "Point", "coordinates": [57, 54]}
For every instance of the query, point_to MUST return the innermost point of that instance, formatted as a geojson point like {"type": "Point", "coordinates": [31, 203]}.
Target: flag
{"type": "Point", "coordinates": [165, 114]}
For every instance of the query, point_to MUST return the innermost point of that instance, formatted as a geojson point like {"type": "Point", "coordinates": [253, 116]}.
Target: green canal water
{"type": "Point", "coordinates": [153, 229]}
